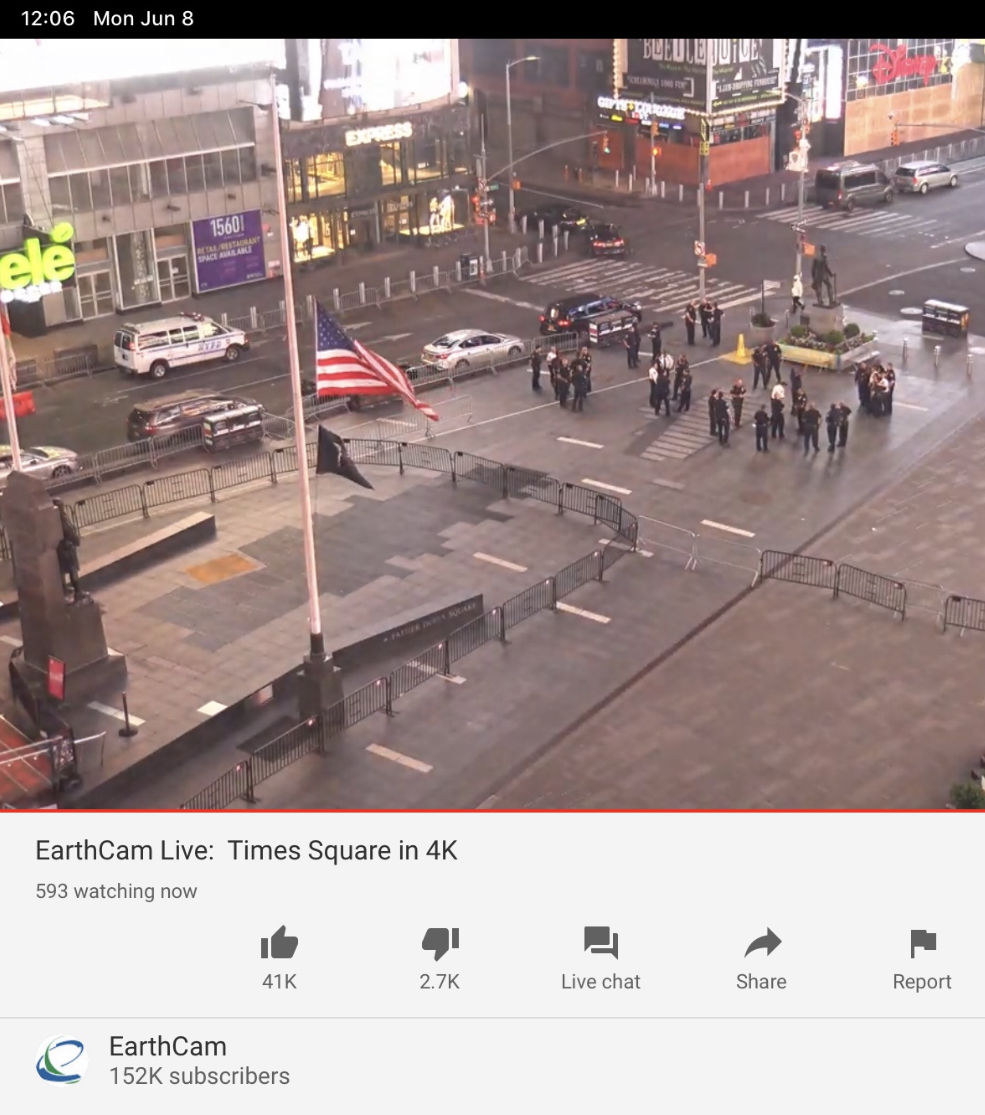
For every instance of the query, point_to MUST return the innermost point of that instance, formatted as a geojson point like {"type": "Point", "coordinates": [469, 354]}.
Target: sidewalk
{"type": "Point", "coordinates": [371, 268]}
{"type": "Point", "coordinates": [763, 191]}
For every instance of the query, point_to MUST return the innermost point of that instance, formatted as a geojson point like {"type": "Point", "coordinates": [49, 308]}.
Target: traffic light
{"type": "Point", "coordinates": [894, 138]}
{"type": "Point", "coordinates": [798, 135]}
{"type": "Point", "coordinates": [606, 149]}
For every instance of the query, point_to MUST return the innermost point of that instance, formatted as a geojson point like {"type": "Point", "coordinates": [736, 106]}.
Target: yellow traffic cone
{"type": "Point", "coordinates": [741, 355]}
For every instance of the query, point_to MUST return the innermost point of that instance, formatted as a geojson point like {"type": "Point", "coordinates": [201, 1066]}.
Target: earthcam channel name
{"type": "Point", "coordinates": [177, 851]}
{"type": "Point", "coordinates": [182, 1046]}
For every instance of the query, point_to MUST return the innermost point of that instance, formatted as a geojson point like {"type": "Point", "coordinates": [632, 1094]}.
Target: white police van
{"type": "Point", "coordinates": [155, 347]}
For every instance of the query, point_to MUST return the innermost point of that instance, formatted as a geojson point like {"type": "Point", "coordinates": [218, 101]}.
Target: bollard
{"type": "Point", "coordinates": [386, 287]}
{"type": "Point", "coordinates": [540, 251]}
{"type": "Point", "coordinates": [128, 730]}
{"type": "Point", "coordinates": [362, 294]}
{"type": "Point", "coordinates": [435, 276]}
{"type": "Point", "coordinates": [555, 243]}
{"type": "Point", "coordinates": [517, 260]}
{"type": "Point", "coordinates": [969, 365]}
{"type": "Point", "coordinates": [617, 179]}
{"type": "Point", "coordinates": [680, 192]}
{"type": "Point", "coordinates": [504, 261]}
{"type": "Point", "coordinates": [540, 228]}
{"type": "Point", "coordinates": [567, 234]}
{"type": "Point", "coordinates": [937, 356]}
{"type": "Point", "coordinates": [413, 282]}
{"type": "Point", "coordinates": [224, 320]}
{"type": "Point", "coordinates": [767, 197]}
{"type": "Point", "coordinates": [906, 350]}
{"type": "Point", "coordinates": [458, 270]}
{"type": "Point", "coordinates": [747, 199]}
{"type": "Point", "coordinates": [336, 299]}
{"type": "Point", "coordinates": [663, 189]}
{"type": "Point", "coordinates": [649, 186]}
{"type": "Point", "coordinates": [721, 199]}
{"type": "Point", "coordinates": [282, 310]}
{"type": "Point", "coordinates": [254, 319]}
{"type": "Point", "coordinates": [783, 192]}
{"type": "Point", "coordinates": [523, 224]}
{"type": "Point", "coordinates": [309, 302]}
{"type": "Point", "coordinates": [632, 181]}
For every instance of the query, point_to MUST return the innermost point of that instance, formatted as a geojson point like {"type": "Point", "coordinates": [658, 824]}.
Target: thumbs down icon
{"type": "Point", "coordinates": [439, 941]}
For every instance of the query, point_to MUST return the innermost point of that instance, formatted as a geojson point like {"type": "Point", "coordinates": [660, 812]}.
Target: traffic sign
{"type": "Point", "coordinates": [769, 284]}
{"type": "Point", "coordinates": [704, 149]}
{"type": "Point", "coordinates": [699, 248]}
{"type": "Point", "coordinates": [710, 259]}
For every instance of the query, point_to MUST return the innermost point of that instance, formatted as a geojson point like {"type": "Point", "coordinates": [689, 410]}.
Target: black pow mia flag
{"type": "Point", "coordinates": [333, 458]}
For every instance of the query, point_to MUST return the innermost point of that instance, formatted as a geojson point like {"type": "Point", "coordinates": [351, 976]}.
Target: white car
{"type": "Point", "coordinates": [47, 462]}
{"type": "Point", "coordinates": [466, 348]}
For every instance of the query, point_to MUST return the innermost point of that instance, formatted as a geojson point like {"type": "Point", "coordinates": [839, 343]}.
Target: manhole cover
{"type": "Point", "coordinates": [911, 310]}
{"type": "Point", "coordinates": [896, 293]}
{"type": "Point", "coordinates": [969, 270]}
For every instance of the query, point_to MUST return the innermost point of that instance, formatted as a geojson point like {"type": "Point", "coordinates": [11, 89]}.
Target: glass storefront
{"type": "Point", "coordinates": [173, 262]}
{"type": "Point", "coordinates": [317, 236]}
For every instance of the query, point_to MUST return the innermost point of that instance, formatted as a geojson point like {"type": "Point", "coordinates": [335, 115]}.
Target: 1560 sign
{"type": "Point", "coordinates": [27, 275]}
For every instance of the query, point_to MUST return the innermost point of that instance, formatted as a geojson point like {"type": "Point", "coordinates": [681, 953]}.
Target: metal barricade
{"type": "Point", "coordinates": [965, 612]}
{"type": "Point", "coordinates": [527, 603]}
{"type": "Point", "coordinates": [709, 548]}
{"type": "Point", "coordinates": [103, 506]}
{"type": "Point", "coordinates": [479, 631]}
{"type": "Point", "coordinates": [480, 469]}
{"type": "Point", "coordinates": [873, 588]}
{"type": "Point", "coordinates": [800, 569]}
{"type": "Point", "coordinates": [666, 536]}
{"type": "Point", "coordinates": [430, 457]}
{"type": "Point", "coordinates": [180, 486]}
{"type": "Point", "coordinates": [527, 483]}
{"type": "Point", "coordinates": [363, 702]}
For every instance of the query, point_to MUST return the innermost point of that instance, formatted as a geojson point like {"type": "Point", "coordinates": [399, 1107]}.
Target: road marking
{"type": "Point", "coordinates": [623, 546]}
{"type": "Point", "coordinates": [390, 337]}
{"type": "Point", "coordinates": [211, 708]}
{"type": "Point", "coordinates": [727, 528]}
{"type": "Point", "coordinates": [901, 275]}
{"type": "Point", "coordinates": [399, 757]}
{"type": "Point", "coordinates": [455, 679]}
{"type": "Point", "coordinates": [503, 298]}
{"type": "Point", "coordinates": [958, 239]}
{"type": "Point", "coordinates": [608, 487]}
{"type": "Point", "coordinates": [9, 639]}
{"type": "Point", "coordinates": [672, 484]}
{"type": "Point", "coordinates": [572, 610]}
{"type": "Point", "coordinates": [910, 406]}
{"type": "Point", "coordinates": [357, 324]}
{"type": "Point", "coordinates": [501, 561]}
{"type": "Point", "coordinates": [98, 706]}
{"type": "Point", "coordinates": [578, 441]}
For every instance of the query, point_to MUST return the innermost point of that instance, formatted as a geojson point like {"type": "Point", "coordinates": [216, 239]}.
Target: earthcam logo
{"type": "Point", "coordinates": [62, 1060]}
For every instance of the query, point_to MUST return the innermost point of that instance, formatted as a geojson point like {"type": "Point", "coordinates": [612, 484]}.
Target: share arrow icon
{"type": "Point", "coordinates": [769, 942]}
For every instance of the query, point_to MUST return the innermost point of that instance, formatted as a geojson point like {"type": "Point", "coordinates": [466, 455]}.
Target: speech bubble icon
{"type": "Point", "coordinates": [597, 936]}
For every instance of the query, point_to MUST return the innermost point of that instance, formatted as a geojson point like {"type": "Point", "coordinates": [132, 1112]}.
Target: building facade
{"type": "Point", "coordinates": [378, 148]}
{"type": "Point", "coordinates": [167, 184]}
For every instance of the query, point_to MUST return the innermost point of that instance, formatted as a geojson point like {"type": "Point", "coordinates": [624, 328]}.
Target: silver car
{"type": "Point", "coordinates": [47, 462]}
{"type": "Point", "coordinates": [467, 348]}
{"type": "Point", "coordinates": [919, 177]}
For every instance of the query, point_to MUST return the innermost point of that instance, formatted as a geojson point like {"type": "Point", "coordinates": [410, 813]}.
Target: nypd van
{"type": "Point", "coordinates": [155, 347]}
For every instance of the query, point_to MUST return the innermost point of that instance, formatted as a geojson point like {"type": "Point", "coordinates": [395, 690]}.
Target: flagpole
{"type": "Point", "coordinates": [6, 377]}
{"type": "Point", "coordinates": [317, 639]}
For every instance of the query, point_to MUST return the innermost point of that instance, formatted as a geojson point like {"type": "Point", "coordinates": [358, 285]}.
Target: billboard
{"type": "Point", "coordinates": [746, 73]}
{"type": "Point", "coordinates": [877, 67]}
{"type": "Point", "coordinates": [377, 75]}
{"type": "Point", "coordinates": [228, 250]}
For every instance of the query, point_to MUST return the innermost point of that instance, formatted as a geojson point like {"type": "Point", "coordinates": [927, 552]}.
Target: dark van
{"type": "Point", "coordinates": [174, 414]}
{"type": "Point", "coordinates": [845, 185]}
{"type": "Point", "coordinates": [572, 315]}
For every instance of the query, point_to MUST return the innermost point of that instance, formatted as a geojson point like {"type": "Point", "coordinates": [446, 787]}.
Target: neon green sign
{"type": "Point", "coordinates": [36, 271]}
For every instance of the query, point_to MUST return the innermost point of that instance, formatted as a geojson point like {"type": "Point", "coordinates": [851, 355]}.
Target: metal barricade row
{"type": "Point", "coordinates": [363, 702]}
{"type": "Point", "coordinates": [103, 506]}
{"type": "Point", "coordinates": [965, 612]}
{"type": "Point", "coordinates": [181, 486]}
{"type": "Point", "coordinates": [800, 569]}
{"type": "Point", "coordinates": [873, 588]}
{"type": "Point", "coordinates": [472, 635]}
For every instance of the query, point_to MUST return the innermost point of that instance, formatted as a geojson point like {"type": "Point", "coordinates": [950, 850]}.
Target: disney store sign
{"type": "Point", "coordinates": [895, 64]}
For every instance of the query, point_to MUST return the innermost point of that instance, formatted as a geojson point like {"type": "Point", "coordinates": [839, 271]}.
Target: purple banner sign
{"type": "Point", "coordinates": [228, 250]}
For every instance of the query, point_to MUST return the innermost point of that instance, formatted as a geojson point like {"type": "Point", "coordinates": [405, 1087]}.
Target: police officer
{"type": "Point", "coordinates": [831, 421]}
{"type": "Point", "coordinates": [716, 324]}
{"type": "Point", "coordinates": [722, 417]}
{"type": "Point", "coordinates": [761, 420]}
{"type": "Point", "coordinates": [535, 361]}
{"type": "Point", "coordinates": [679, 369]}
{"type": "Point", "coordinates": [796, 383]}
{"type": "Point", "coordinates": [632, 343]}
{"type": "Point", "coordinates": [585, 356]}
{"type": "Point", "coordinates": [712, 414]}
{"type": "Point", "coordinates": [812, 423]}
{"type": "Point", "coordinates": [844, 413]}
{"type": "Point", "coordinates": [563, 383]}
{"type": "Point", "coordinates": [798, 407]}
{"type": "Point", "coordinates": [684, 399]}
{"type": "Point", "coordinates": [656, 343]}
{"type": "Point", "coordinates": [738, 394]}
{"type": "Point", "coordinates": [773, 355]}
{"type": "Point", "coordinates": [579, 383]}
{"type": "Point", "coordinates": [777, 400]}
{"type": "Point", "coordinates": [890, 377]}
{"type": "Point", "coordinates": [690, 320]}
{"type": "Point", "coordinates": [759, 367]}
{"type": "Point", "coordinates": [862, 374]}
{"type": "Point", "coordinates": [553, 364]}
{"type": "Point", "coordinates": [662, 389]}
{"type": "Point", "coordinates": [704, 312]}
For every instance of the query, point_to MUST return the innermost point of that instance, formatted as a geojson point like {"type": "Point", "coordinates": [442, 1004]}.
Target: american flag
{"type": "Point", "coordinates": [345, 367]}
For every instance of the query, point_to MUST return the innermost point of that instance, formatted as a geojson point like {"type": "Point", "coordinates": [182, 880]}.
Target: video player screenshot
{"type": "Point", "coordinates": [490, 570]}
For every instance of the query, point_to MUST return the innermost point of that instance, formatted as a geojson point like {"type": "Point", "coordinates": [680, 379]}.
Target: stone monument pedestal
{"type": "Point", "coordinates": [823, 319]}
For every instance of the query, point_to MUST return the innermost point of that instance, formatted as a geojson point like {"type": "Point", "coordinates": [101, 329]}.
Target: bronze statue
{"type": "Point", "coordinates": [823, 276]}
{"type": "Point", "coordinates": [68, 553]}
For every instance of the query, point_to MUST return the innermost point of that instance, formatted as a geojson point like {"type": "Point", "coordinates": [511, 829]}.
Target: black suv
{"type": "Point", "coordinates": [173, 414]}
{"type": "Point", "coordinates": [572, 315]}
{"type": "Point", "coordinates": [605, 240]}
{"type": "Point", "coordinates": [562, 217]}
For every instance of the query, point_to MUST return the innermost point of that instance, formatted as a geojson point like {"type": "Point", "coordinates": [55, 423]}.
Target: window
{"type": "Point", "coordinates": [489, 56]}
{"type": "Point", "coordinates": [865, 178]}
{"type": "Point", "coordinates": [195, 171]}
{"type": "Point", "coordinates": [176, 337]}
{"type": "Point", "coordinates": [213, 170]}
{"type": "Point", "coordinates": [159, 179]}
{"type": "Point", "coordinates": [81, 197]}
{"type": "Point", "coordinates": [326, 175]}
{"type": "Point", "coordinates": [154, 340]}
{"type": "Point", "coordinates": [292, 180]}
{"type": "Point", "coordinates": [211, 329]}
{"type": "Point", "coordinates": [392, 169]}
{"type": "Point", "coordinates": [429, 158]}
{"type": "Point", "coordinates": [119, 181]}
{"type": "Point", "coordinates": [593, 70]}
{"type": "Point", "coordinates": [551, 67]}
{"type": "Point", "coordinates": [12, 201]}
{"type": "Point", "coordinates": [139, 182]}
{"type": "Point", "coordinates": [248, 164]}
{"type": "Point", "coordinates": [99, 184]}
{"type": "Point", "coordinates": [230, 168]}
{"type": "Point", "coordinates": [459, 154]}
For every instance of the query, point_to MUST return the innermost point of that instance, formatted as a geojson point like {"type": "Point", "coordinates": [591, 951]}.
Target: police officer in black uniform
{"type": "Point", "coordinates": [632, 343]}
{"type": "Point", "coordinates": [758, 367]}
{"type": "Point", "coordinates": [712, 414]}
{"type": "Point", "coordinates": [704, 312]}
{"type": "Point", "coordinates": [535, 361]}
{"type": "Point", "coordinates": [761, 420]}
{"type": "Point", "coordinates": [579, 383]}
{"type": "Point", "coordinates": [812, 423]}
{"type": "Point", "coordinates": [684, 399]}
{"type": "Point", "coordinates": [798, 408]}
{"type": "Point", "coordinates": [776, 418]}
{"type": "Point", "coordinates": [679, 369]}
{"type": "Point", "coordinates": [831, 421]}
{"type": "Point", "coordinates": [690, 320]}
{"type": "Point", "coordinates": [844, 413]}
{"type": "Point", "coordinates": [773, 356]}
{"type": "Point", "coordinates": [716, 324]}
{"type": "Point", "coordinates": [796, 382]}
{"type": "Point", "coordinates": [656, 342]}
{"type": "Point", "coordinates": [661, 391]}
{"type": "Point", "coordinates": [722, 417]}
{"type": "Point", "coordinates": [563, 383]}
{"type": "Point", "coordinates": [738, 394]}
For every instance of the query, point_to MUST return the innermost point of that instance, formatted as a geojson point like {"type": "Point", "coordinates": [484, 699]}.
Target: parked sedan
{"type": "Point", "coordinates": [47, 462]}
{"type": "Point", "coordinates": [919, 177]}
{"type": "Point", "coordinates": [605, 240]}
{"type": "Point", "coordinates": [562, 217]}
{"type": "Point", "coordinates": [466, 348]}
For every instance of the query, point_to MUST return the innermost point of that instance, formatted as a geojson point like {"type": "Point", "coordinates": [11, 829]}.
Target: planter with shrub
{"type": "Point", "coordinates": [762, 328]}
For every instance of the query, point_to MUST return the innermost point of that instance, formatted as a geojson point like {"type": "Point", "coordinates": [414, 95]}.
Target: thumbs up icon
{"type": "Point", "coordinates": [279, 946]}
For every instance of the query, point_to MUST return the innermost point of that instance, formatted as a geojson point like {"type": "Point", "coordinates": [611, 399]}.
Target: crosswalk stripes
{"type": "Point", "coordinates": [684, 436]}
{"type": "Point", "coordinates": [883, 221]}
{"type": "Point", "coordinates": [657, 289]}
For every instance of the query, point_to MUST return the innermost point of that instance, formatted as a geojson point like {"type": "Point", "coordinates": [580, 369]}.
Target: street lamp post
{"type": "Point", "coordinates": [509, 128]}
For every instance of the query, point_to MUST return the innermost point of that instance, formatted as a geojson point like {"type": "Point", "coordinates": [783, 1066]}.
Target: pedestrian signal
{"type": "Point", "coordinates": [606, 149]}
{"type": "Point", "coordinates": [894, 138]}
{"type": "Point", "coordinates": [657, 152]}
